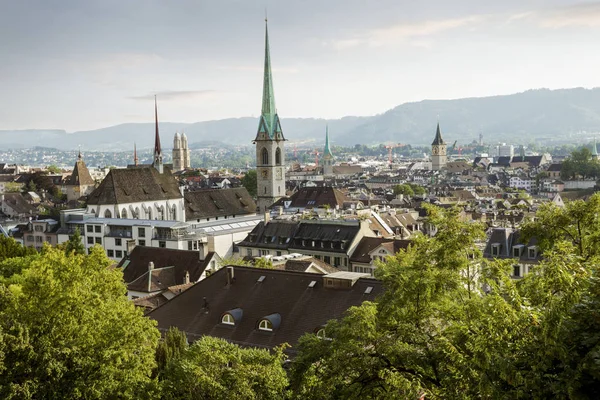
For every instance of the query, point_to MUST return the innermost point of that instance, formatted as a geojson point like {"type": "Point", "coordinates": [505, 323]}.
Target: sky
{"type": "Point", "coordinates": [81, 65]}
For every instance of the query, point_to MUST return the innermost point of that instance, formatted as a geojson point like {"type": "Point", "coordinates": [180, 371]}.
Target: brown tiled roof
{"type": "Point", "coordinates": [153, 281]}
{"type": "Point", "coordinates": [313, 197]}
{"type": "Point", "coordinates": [131, 185]}
{"type": "Point", "coordinates": [80, 175]}
{"type": "Point", "coordinates": [183, 260]}
{"type": "Point", "coordinates": [151, 301]}
{"type": "Point", "coordinates": [300, 265]}
{"type": "Point", "coordinates": [368, 244]}
{"type": "Point", "coordinates": [17, 202]}
{"type": "Point", "coordinates": [198, 310]}
{"type": "Point", "coordinates": [218, 202]}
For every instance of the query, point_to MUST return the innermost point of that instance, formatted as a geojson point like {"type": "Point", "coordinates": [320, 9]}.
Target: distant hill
{"type": "Point", "coordinates": [522, 117]}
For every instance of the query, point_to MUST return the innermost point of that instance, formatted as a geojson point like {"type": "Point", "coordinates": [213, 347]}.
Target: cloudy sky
{"type": "Point", "coordinates": [78, 65]}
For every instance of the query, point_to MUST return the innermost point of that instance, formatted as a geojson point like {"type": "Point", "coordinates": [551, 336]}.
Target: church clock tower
{"type": "Point", "coordinates": [270, 155]}
{"type": "Point", "coordinates": [438, 151]}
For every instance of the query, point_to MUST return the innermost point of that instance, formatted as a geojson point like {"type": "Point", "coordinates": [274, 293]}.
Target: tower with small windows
{"type": "Point", "coordinates": [438, 151]}
{"type": "Point", "coordinates": [327, 156]}
{"type": "Point", "coordinates": [269, 141]}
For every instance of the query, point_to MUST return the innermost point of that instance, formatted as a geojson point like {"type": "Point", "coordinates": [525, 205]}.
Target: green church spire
{"type": "Point", "coordinates": [269, 125]}
{"type": "Point", "coordinates": [594, 149]}
{"type": "Point", "coordinates": [327, 151]}
{"type": "Point", "coordinates": [438, 137]}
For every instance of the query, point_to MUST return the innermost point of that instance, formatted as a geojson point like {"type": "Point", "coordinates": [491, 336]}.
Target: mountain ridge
{"type": "Point", "coordinates": [535, 114]}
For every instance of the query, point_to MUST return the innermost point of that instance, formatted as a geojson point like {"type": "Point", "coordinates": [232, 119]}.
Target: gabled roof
{"type": "Point", "coordinates": [136, 264]}
{"type": "Point", "coordinates": [130, 185]}
{"type": "Point", "coordinates": [18, 204]}
{"type": "Point", "coordinates": [368, 244]}
{"type": "Point", "coordinates": [313, 197]}
{"type": "Point", "coordinates": [154, 280]}
{"type": "Point", "coordinates": [218, 202]}
{"type": "Point", "coordinates": [81, 175]}
{"type": "Point", "coordinates": [198, 310]}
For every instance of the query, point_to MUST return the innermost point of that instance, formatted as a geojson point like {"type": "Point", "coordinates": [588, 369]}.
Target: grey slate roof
{"type": "Point", "coordinates": [218, 202]}
{"type": "Point", "coordinates": [132, 185]}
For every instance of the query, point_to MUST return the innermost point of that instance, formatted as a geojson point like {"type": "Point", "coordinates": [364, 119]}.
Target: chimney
{"type": "Point", "coordinates": [267, 216]}
{"type": "Point", "coordinates": [230, 275]}
{"type": "Point", "coordinates": [187, 277]}
{"type": "Point", "coordinates": [130, 245]}
{"type": "Point", "coordinates": [150, 266]}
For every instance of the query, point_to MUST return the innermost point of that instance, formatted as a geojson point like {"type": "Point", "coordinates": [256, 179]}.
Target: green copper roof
{"type": "Point", "coordinates": [438, 137]}
{"type": "Point", "coordinates": [327, 151]}
{"type": "Point", "coordinates": [269, 119]}
{"type": "Point", "coordinates": [594, 149]}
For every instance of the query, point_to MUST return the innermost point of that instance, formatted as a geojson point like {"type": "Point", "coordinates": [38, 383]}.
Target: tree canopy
{"type": "Point", "coordinates": [249, 182]}
{"type": "Point", "coordinates": [68, 331]}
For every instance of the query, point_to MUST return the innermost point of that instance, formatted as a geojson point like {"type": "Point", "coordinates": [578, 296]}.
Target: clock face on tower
{"type": "Point", "coordinates": [278, 173]}
{"type": "Point", "coordinates": [265, 173]}
{"type": "Point", "coordinates": [435, 151]}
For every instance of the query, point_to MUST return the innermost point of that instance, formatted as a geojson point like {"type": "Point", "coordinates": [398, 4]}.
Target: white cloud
{"type": "Point", "coordinates": [578, 15]}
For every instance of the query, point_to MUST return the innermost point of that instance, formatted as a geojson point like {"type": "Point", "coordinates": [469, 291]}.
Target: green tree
{"type": "Point", "coordinates": [12, 187]}
{"type": "Point", "coordinates": [74, 244]}
{"type": "Point", "coordinates": [53, 169]}
{"type": "Point", "coordinates": [213, 368]}
{"type": "Point", "coordinates": [170, 348]}
{"type": "Point", "coordinates": [264, 263]}
{"type": "Point", "coordinates": [404, 189]}
{"type": "Point", "coordinates": [71, 333]}
{"type": "Point", "coordinates": [249, 182]}
{"type": "Point", "coordinates": [10, 248]}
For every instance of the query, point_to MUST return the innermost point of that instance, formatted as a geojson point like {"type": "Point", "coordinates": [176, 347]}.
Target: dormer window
{"type": "Point", "coordinates": [532, 252]}
{"type": "Point", "coordinates": [270, 322]}
{"type": "Point", "coordinates": [265, 325]}
{"type": "Point", "coordinates": [232, 317]}
{"type": "Point", "coordinates": [495, 249]}
{"type": "Point", "coordinates": [517, 251]}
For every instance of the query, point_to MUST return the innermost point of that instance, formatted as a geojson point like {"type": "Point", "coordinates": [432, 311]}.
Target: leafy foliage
{"type": "Point", "coordinates": [249, 182]}
{"type": "Point", "coordinates": [212, 368]}
{"type": "Point", "coordinates": [74, 244]}
{"type": "Point", "coordinates": [70, 332]}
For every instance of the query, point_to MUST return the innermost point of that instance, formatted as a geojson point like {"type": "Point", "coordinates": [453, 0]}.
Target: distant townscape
{"type": "Point", "coordinates": [389, 263]}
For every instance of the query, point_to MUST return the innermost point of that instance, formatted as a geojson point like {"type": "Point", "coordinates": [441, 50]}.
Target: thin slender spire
{"type": "Point", "coordinates": [438, 137]}
{"type": "Point", "coordinates": [157, 149]}
{"type": "Point", "coordinates": [135, 157]}
{"type": "Point", "coordinates": [268, 101]}
{"type": "Point", "coordinates": [327, 151]}
{"type": "Point", "coordinates": [79, 155]}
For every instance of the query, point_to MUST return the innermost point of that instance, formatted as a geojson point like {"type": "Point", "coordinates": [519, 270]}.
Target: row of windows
{"type": "Point", "coordinates": [517, 251]}
{"type": "Point", "coordinates": [116, 253]}
{"type": "Point", "coordinates": [264, 324]}
{"type": "Point", "coordinates": [137, 214]}
{"type": "Point", "coordinates": [337, 261]}
{"type": "Point", "coordinates": [38, 239]}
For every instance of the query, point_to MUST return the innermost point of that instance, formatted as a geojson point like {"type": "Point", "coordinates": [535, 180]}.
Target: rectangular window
{"type": "Point", "coordinates": [264, 252]}
{"type": "Point", "coordinates": [38, 228]}
{"type": "Point", "coordinates": [249, 252]}
{"type": "Point", "coordinates": [48, 239]}
{"type": "Point", "coordinates": [119, 253]}
{"type": "Point", "coordinates": [532, 252]}
{"type": "Point", "coordinates": [38, 239]}
{"type": "Point", "coordinates": [162, 243]}
{"type": "Point", "coordinates": [110, 253]}
{"type": "Point", "coordinates": [517, 270]}
{"type": "Point", "coordinates": [142, 242]}
{"type": "Point", "coordinates": [89, 228]}
{"type": "Point", "coordinates": [99, 240]}
{"type": "Point", "coordinates": [117, 242]}
{"type": "Point", "coordinates": [278, 253]}
{"type": "Point", "coordinates": [30, 238]}
{"type": "Point", "coordinates": [97, 229]}
{"type": "Point", "coordinates": [190, 245]}
{"type": "Point", "coordinates": [90, 240]}
{"type": "Point", "coordinates": [336, 261]}
{"type": "Point", "coordinates": [327, 259]}
{"type": "Point", "coordinates": [141, 232]}
{"type": "Point", "coordinates": [495, 250]}
{"type": "Point", "coordinates": [516, 251]}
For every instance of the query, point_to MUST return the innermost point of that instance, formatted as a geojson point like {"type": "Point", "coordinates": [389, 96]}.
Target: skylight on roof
{"type": "Point", "coordinates": [312, 284]}
{"type": "Point", "coordinates": [261, 279]}
{"type": "Point", "coordinates": [369, 289]}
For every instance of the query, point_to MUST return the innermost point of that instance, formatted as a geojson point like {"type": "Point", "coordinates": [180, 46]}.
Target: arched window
{"type": "Point", "coordinates": [227, 319]}
{"type": "Point", "coordinates": [265, 190]}
{"type": "Point", "coordinates": [278, 156]}
{"type": "Point", "coordinates": [265, 325]}
{"type": "Point", "coordinates": [174, 212]}
{"type": "Point", "coordinates": [93, 211]}
{"type": "Point", "coordinates": [265, 156]}
{"type": "Point", "coordinates": [137, 212]}
{"type": "Point", "coordinates": [149, 213]}
{"type": "Point", "coordinates": [107, 214]}
{"type": "Point", "coordinates": [124, 213]}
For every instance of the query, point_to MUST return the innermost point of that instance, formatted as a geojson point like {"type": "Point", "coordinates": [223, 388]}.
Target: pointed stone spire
{"type": "Point", "coordinates": [595, 149]}
{"type": "Point", "coordinates": [79, 155]}
{"type": "Point", "coordinates": [438, 137]}
{"type": "Point", "coordinates": [327, 152]}
{"type": "Point", "coordinates": [157, 161]}
{"type": "Point", "coordinates": [157, 149]}
{"type": "Point", "coordinates": [135, 157]}
{"type": "Point", "coordinates": [269, 120]}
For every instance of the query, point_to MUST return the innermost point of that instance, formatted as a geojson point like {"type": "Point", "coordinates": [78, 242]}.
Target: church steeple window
{"type": "Point", "coordinates": [278, 156]}
{"type": "Point", "coordinates": [265, 156]}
